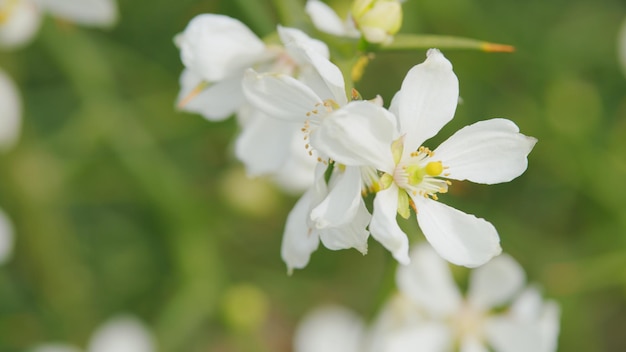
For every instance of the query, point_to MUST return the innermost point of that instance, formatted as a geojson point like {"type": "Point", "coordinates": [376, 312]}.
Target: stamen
{"type": "Point", "coordinates": [194, 93]}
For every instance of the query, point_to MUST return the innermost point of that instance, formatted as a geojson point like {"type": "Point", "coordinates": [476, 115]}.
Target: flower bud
{"type": "Point", "coordinates": [378, 20]}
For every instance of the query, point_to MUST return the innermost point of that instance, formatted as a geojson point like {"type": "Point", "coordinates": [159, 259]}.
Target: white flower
{"type": "Point", "coordinates": [10, 112]}
{"type": "Point", "coordinates": [329, 329]}
{"type": "Point", "coordinates": [6, 238]}
{"type": "Point", "coordinates": [487, 152]}
{"type": "Point", "coordinates": [478, 321]}
{"type": "Point", "coordinates": [334, 213]}
{"type": "Point", "coordinates": [621, 46]}
{"type": "Point", "coordinates": [120, 334]}
{"type": "Point", "coordinates": [20, 19]}
{"type": "Point", "coordinates": [215, 50]}
{"type": "Point", "coordinates": [268, 146]}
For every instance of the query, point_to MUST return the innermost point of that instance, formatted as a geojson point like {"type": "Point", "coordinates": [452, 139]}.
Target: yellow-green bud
{"type": "Point", "coordinates": [378, 20]}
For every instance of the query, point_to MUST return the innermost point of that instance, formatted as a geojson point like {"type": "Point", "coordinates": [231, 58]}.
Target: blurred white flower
{"type": "Point", "coordinates": [20, 19]}
{"type": "Point", "coordinates": [488, 152]}
{"type": "Point", "coordinates": [6, 238]}
{"type": "Point", "coordinates": [119, 334]}
{"type": "Point", "coordinates": [330, 329]}
{"type": "Point", "coordinates": [497, 314]}
{"type": "Point", "coordinates": [621, 46]}
{"type": "Point", "coordinates": [10, 112]}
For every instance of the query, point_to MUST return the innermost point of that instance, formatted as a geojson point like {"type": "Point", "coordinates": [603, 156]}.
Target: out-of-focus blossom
{"type": "Point", "coordinates": [119, 334]}
{"type": "Point", "coordinates": [330, 329]}
{"type": "Point", "coordinates": [20, 19]}
{"type": "Point", "coordinates": [498, 313]}
{"type": "Point", "coordinates": [378, 20]}
{"type": "Point", "coordinates": [621, 46]}
{"type": "Point", "coordinates": [429, 314]}
{"type": "Point", "coordinates": [6, 238]}
{"type": "Point", "coordinates": [10, 112]}
{"type": "Point", "coordinates": [488, 152]}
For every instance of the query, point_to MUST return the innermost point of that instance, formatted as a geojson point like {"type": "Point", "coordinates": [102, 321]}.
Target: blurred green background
{"type": "Point", "coordinates": [123, 204]}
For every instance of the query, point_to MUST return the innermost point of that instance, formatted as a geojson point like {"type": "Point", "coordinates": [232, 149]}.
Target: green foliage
{"type": "Point", "coordinates": [121, 203]}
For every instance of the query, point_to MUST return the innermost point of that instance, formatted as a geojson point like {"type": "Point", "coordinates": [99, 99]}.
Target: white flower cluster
{"type": "Point", "coordinates": [301, 126]}
{"type": "Point", "coordinates": [429, 314]}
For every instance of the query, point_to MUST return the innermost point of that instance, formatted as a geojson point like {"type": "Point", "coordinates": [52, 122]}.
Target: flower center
{"type": "Point", "coordinates": [468, 322]}
{"type": "Point", "coordinates": [314, 118]}
{"type": "Point", "coordinates": [420, 175]}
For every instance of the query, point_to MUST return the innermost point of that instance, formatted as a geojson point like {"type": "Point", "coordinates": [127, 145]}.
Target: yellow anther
{"type": "Point", "coordinates": [434, 168]}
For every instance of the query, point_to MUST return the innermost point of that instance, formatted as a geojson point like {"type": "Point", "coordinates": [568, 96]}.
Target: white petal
{"type": "Point", "coordinates": [490, 151]}
{"type": "Point", "coordinates": [329, 329]}
{"type": "Point", "coordinates": [297, 172]}
{"type": "Point", "coordinates": [216, 102]}
{"type": "Point", "coordinates": [299, 241]}
{"type": "Point", "coordinates": [21, 25]}
{"type": "Point", "coordinates": [428, 281]}
{"type": "Point", "coordinates": [264, 144]}
{"type": "Point", "coordinates": [460, 238]}
{"type": "Point", "coordinates": [122, 334]}
{"type": "Point", "coordinates": [218, 46]}
{"type": "Point", "coordinates": [353, 234]}
{"type": "Point", "coordinates": [384, 227]}
{"type": "Point", "coordinates": [325, 18]}
{"type": "Point", "coordinates": [428, 99]}
{"type": "Point", "coordinates": [472, 344]}
{"type": "Point", "coordinates": [621, 46]}
{"type": "Point", "coordinates": [6, 238]}
{"type": "Point", "coordinates": [294, 36]}
{"type": "Point", "coordinates": [394, 107]}
{"type": "Point", "coordinates": [428, 337]}
{"type": "Point", "coordinates": [10, 112]}
{"type": "Point", "coordinates": [359, 134]}
{"type": "Point", "coordinates": [507, 335]}
{"type": "Point", "coordinates": [342, 201]}
{"type": "Point", "coordinates": [330, 84]}
{"type": "Point", "coordinates": [55, 347]}
{"type": "Point", "coordinates": [549, 324]}
{"type": "Point", "coordinates": [100, 13]}
{"type": "Point", "coordinates": [495, 283]}
{"type": "Point", "coordinates": [530, 307]}
{"type": "Point", "coordinates": [280, 96]}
